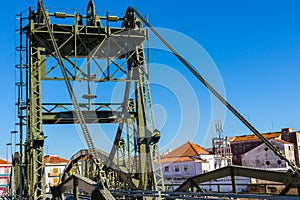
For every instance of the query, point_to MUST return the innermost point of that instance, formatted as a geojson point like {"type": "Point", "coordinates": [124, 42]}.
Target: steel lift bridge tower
{"type": "Point", "coordinates": [86, 48]}
{"type": "Point", "coordinates": [51, 52]}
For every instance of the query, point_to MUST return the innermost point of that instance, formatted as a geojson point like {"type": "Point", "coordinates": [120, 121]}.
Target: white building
{"type": "Point", "coordinates": [190, 160]}
{"type": "Point", "coordinates": [184, 162]}
{"type": "Point", "coordinates": [54, 166]}
{"type": "Point", "coordinates": [262, 157]}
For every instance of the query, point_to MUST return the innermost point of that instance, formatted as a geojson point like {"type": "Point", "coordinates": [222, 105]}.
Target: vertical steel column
{"type": "Point", "coordinates": [233, 181]}
{"type": "Point", "coordinates": [75, 188]}
{"type": "Point", "coordinates": [16, 177]}
{"type": "Point", "coordinates": [154, 173]}
{"type": "Point", "coordinates": [143, 135]}
{"type": "Point", "coordinates": [36, 135]}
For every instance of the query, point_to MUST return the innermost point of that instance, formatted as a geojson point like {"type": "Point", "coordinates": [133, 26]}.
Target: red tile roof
{"type": "Point", "coordinates": [275, 135]}
{"type": "Point", "coordinates": [188, 149]}
{"type": "Point", "coordinates": [3, 162]}
{"type": "Point", "coordinates": [53, 159]}
{"type": "Point", "coordinates": [181, 159]}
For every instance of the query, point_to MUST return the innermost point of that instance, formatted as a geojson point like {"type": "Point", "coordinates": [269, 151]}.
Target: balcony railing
{"type": "Point", "coordinates": [5, 175]}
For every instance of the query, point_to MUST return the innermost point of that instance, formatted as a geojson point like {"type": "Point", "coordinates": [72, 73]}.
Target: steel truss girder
{"type": "Point", "coordinates": [80, 42]}
{"type": "Point", "coordinates": [82, 163]}
{"type": "Point", "coordinates": [75, 182]}
{"type": "Point", "coordinates": [90, 117]}
{"type": "Point", "coordinates": [289, 179]}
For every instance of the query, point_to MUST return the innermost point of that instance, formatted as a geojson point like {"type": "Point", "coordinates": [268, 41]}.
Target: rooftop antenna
{"type": "Point", "coordinates": [221, 147]}
{"type": "Point", "coordinates": [219, 128]}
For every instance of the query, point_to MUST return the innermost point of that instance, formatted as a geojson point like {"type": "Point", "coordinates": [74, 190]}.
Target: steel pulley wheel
{"type": "Point", "coordinates": [91, 14]}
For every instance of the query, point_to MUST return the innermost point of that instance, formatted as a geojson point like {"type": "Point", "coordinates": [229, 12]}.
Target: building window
{"type": "Point", "coordinates": [176, 169]}
{"type": "Point", "coordinates": [279, 162]}
{"type": "Point", "coordinates": [185, 168]}
{"type": "Point", "coordinates": [267, 162]}
{"type": "Point", "coordinates": [266, 148]}
{"type": "Point", "coordinates": [55, 180]}
{"type": "Point", "coordinates": [167, 168]}
{"type": "Point", "coordinates": [55, 170]}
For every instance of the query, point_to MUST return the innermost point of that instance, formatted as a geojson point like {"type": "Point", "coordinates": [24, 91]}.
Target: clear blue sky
{"type": "Point", "coordinates": [254, 44]}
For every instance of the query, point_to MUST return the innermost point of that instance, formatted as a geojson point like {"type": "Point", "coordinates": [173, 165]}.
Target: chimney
{"type": "Point", "coordinates": [287, 130]}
